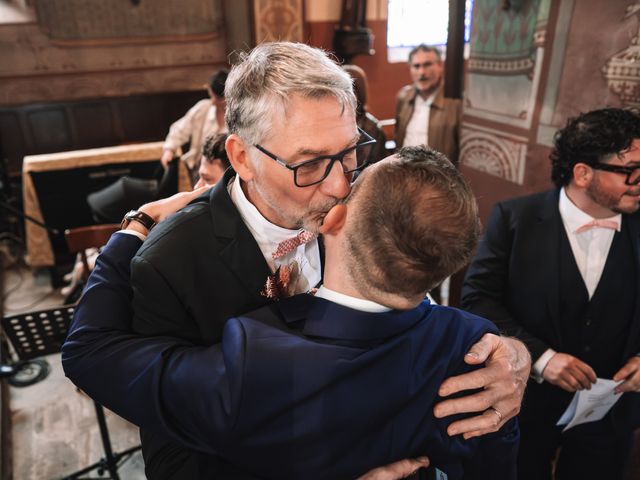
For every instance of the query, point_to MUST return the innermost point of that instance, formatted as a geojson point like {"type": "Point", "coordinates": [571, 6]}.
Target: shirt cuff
{"type": "Point", "coordinates": [540, 364]}
{"type": "Point", "coordinates": [141, 236]}
{"type": "Point", "coordinates": [170, 145]}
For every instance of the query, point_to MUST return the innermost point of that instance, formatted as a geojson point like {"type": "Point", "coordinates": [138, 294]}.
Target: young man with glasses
{"type": "Point", "coordinates": [560, 270]}
{"type": "Point", "coordinates": [213, 260]}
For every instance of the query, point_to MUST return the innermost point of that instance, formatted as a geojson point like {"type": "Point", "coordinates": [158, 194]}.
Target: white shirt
{"type": "Point", "coordinates": [268, 236]}
{"type": "Point", "coordinates": [590, 250]}
{"type": "Point", "coordinates": [350, 302]}
{"type": "Point", "coordinates": [591, 247]}
{"type": "Point", "coordinates": [418, 126]}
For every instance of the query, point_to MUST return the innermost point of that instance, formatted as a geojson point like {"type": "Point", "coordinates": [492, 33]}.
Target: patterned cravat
{"type": "Point", "coordinates": [291, 244]}
{"type": "Point", "coordinates": [595, 223]}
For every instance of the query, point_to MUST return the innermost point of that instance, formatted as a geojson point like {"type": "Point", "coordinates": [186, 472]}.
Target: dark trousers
{"type": "Point", "coordinates": [591, 451]}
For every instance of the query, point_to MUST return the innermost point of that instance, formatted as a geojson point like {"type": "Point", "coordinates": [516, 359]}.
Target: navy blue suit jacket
{"type": "Point", "coordinates": [303, 388]}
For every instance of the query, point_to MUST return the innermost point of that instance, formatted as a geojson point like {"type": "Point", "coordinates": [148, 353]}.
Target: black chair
{"type": "Point", "coordinates": [111, 203]}
{"type": "Point", "coordinates": [43, 332]}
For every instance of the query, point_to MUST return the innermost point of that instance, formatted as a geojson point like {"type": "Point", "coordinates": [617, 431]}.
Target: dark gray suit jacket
{"type": "Point", "coordinates": [196, 269]}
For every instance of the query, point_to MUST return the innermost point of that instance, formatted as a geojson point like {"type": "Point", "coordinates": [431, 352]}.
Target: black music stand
{"type": "Point", "coordinates": [35, 334]}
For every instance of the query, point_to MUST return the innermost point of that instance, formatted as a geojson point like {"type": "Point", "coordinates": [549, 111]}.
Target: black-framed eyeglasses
{"type": "Point", "coordinates": [632, 173]}
{"type": "Point", "coordinates": [315, 170]}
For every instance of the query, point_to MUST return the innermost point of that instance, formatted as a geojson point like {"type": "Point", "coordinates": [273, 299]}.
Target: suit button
{"type": "Point", "coordinates": [587, 348]}
{"type": "Point", "coordinates": [587, 322]}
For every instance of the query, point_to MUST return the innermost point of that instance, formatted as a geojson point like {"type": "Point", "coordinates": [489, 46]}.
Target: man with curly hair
{"type": "Point", "coordinates": [559, 270]}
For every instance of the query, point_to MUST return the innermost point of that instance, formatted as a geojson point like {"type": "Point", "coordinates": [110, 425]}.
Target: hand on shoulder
{"type": "Point", "coordinates": [161, 209]}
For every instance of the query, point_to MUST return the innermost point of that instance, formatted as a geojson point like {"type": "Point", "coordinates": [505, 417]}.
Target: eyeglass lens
{"type": "Point", "coordinates": [316, 171]}
{"type": "Point", "coordinates": [634, 177]}
{"type": "Point", "coordinates": [313, 172]}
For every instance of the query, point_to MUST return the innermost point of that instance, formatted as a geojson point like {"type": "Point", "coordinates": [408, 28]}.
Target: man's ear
{"type": "Point", "coordinates": [334, 220]}
{"type": "Point", "coordinates": [582, 174]}
{"type": "Point", "coordinates": [238, 153]}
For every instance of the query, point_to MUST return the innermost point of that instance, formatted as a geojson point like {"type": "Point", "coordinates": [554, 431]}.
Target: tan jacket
{"type": "Point", "coordinates": [444, 121]}
{"type": "Point", "coordinates": [198, 123]}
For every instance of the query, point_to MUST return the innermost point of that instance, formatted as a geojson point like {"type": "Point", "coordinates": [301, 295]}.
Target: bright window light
{"type": "Point", "coordinates": [412, 22]}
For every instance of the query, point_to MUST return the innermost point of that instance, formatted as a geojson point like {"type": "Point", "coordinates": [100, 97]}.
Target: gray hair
{"type": "Point", "coordinates": [265, 78]}
{"type": "Point", "coordinates": [426, 49]}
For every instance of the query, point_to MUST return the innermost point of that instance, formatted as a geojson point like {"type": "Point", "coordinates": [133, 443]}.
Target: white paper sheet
{"type": "Point", "coordinates": [590, 405]}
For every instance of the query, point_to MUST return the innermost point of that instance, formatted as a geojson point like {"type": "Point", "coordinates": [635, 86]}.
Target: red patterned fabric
{"type": "Point", "coordinates": [291, 244]}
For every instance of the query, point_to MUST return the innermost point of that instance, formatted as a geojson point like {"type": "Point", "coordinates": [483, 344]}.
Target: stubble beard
{"type": "Point", "coordinates": [612, 202]}
{"type": "Point", "coordinates": [313, 219]}
{"type": "Point", "coordinates": [307, 217]}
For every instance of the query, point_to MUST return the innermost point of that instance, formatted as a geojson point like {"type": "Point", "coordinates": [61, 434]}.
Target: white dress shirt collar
{"type": "Point", "coordinates": [268, 236]}
{"type": "Point", "coordinates": [263, 228]}
{"type": "Point", "coordinates": [574, 218]}
{"type": "Point", "coordinates": [350, 302]}
{"type": "Point", "coordinates": [590, 248]}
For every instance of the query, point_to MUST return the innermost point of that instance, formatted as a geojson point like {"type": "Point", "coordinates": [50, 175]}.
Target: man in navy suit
{"type": "Point", "coordinates": [324, 386]}
{"type": "Point", "coordinates": [293, 144]}
{"type": "Point", "coordinates": [559, 270]}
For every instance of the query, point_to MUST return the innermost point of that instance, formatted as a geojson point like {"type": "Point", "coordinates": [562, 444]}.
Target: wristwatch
{"type": "Point", "coordinates": [137, 216]}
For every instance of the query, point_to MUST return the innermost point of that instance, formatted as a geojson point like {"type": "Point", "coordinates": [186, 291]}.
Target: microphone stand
{"type": "Point", "coordinates": [4, 204]}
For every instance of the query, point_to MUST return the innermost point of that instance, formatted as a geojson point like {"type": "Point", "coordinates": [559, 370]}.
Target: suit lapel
{"type": "Point", "coordinates": [438, 100]}
{"type": "Point", "coordinates": [240, 253]}
{"type": "Point", "coordinates": [321, 250]}
{"type": "Point", "coordinates": [437, 121]}
{"type": "Point", "coordinates": [633, 223]}
{"type": "Point", "coordinates": [404, 115]}
{"type": "Point", "coordinates": [548, 231]}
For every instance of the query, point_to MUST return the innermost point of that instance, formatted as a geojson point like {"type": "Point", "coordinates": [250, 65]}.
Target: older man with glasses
{"type": "Point", "coordinates": [262, 219]}
{"type": "Point", "coordinates": [315, 170]}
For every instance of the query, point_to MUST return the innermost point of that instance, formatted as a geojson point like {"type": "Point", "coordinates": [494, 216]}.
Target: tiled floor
{"type": "Point", "coordinates": [54, 428]}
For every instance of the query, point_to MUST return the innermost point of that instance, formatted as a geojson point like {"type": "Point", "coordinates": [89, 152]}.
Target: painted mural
{"type": "Point", "coordinates": [532, 67]}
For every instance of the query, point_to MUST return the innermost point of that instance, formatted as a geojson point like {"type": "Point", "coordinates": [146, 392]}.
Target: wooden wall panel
{"type": "Point", "coordinates": [12, 141]}
{"type": "Point", "coordinates": [142, 117]}
{"type": "Point", "coordinates": [49, 128]}
{"type": "Point", "coordinates": [73, 125]}
{"type": "Point", "coordinates": [93, 124]}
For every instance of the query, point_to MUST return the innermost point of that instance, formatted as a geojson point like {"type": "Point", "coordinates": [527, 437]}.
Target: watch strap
{"type": "Point", "coordinates": [137, 216]}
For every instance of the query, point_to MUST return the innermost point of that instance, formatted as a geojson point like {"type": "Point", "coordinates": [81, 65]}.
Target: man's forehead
{"type": "Point", "coordinates": [311, 147]}
{"type": "Point", "coordinates": [423, 56]}
{"type": "Point", "coordinates": [307, 126]}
